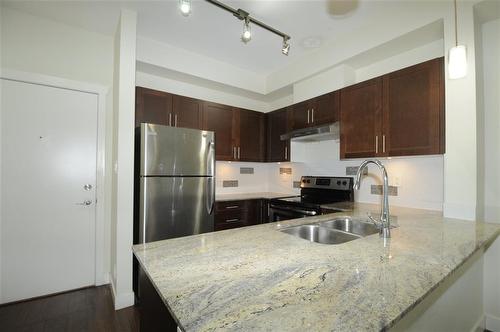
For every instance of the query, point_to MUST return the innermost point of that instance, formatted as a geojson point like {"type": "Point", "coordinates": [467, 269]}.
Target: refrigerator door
{"type": "Point", "coordinates": [172, 207]}
{"type": "Point", "coordinates": [170, 151]}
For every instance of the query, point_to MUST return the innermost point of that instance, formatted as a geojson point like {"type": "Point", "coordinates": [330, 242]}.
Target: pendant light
{"type": "Point", "coordinates": [457, 57]}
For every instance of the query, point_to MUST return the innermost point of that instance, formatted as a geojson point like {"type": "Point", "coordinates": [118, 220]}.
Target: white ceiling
{"type": "Point", "coordinates": [215, 33]}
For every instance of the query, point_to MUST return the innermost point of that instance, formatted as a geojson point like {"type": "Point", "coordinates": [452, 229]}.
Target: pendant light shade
{"type": "Point", "coordinates": [457, 65]}
{"type": "Point", "coordinates": [457, 58]}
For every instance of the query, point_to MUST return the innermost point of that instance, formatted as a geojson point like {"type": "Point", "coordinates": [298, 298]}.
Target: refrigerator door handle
{"type": "Point", "coordinates": [210, 195]}
{"type": "Point", "coordinates": [210, 180]}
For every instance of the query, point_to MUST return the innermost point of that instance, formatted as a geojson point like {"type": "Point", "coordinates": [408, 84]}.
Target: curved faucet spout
{"type": "Point", "coordinates": [385, 230]}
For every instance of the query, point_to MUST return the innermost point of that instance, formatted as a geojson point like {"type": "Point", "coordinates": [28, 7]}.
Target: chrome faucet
{"type": "Point", "coordinates": [384, 223]}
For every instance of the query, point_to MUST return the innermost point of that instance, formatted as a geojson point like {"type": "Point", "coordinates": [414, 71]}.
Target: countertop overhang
{"type": "Point", "coordinates": [257, 278]}
{"type": "Point", "coordinates": [245, 196]}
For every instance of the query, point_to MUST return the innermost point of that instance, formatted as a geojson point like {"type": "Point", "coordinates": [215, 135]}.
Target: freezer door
{"type": "Point", "coordinates": [176, 151]}
{"type": "Point", "coordinates": [175, 206]}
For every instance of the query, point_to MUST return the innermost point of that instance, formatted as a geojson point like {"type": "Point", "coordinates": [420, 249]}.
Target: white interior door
{"type": "Point", "coordinates": [48, 176]}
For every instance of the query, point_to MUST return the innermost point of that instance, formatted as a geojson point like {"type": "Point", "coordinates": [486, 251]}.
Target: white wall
{"type": "Point", "coordinates": [1, 46]}
{"type": "Point", "coordinates": [198, 91]}
{"type": "Point", "coordinates": [123, 159]}
{"type": "Point", "coordinates": [330, 80]}
{"type": "Point", "coordinates": [170, 57]}
{"type": "Point", "coordinates": [491, 97]}
{"type": "Point", "coordinates": [37, 45]}
{"type": "Point", "coordinates": [489, 122]}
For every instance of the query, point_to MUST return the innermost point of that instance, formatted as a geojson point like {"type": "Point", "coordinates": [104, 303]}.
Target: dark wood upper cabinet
{"type": "Point", "coordinates": [220, 119]}
{"type": "Point", "coordinates": [187, 112]}
{"type": "Point", "coordinates": [301, 115]}
{"type": "Point", "coordinates": [413, 110]}
{"type": "Point", "coordinates": [152, 107]}
{"type": "Point", "coordinates": [251, 135]}
{"type": "Point", "coordinates": [397, 114]}
{"type": "Point", "coordinates": [316, 111]}
{"type": "Point", "coordinates": [361, 119]}
{"type": "Point", "coordinates": [277, 124]}
{"type": "Point", "coordinates": [325, 109]}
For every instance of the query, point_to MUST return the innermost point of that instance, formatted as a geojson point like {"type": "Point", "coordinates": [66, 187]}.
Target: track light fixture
{"type": "Point", "coordinates": [286, 46]}
{"type": "Point", "coordinates": [246, 36]}
{"type": "Point", "coordinates": [185, 7]}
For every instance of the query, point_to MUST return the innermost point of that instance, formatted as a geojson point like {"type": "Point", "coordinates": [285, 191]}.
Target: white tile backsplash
{"type": "Point", "coordinates": [419, 179]}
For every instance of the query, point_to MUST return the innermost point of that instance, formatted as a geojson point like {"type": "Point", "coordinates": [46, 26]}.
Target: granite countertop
{"type": "Point", "coordinates": [257, 278]}
{"type": "Point", "coordinates": [239, 197]}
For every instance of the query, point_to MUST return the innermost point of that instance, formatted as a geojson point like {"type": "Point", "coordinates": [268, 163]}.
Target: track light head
{"type": "Point", "coordinates": [286, 46]}
{"type": "Point", "coordinates": [246, 36]}
{"type": "Point", "coordinates": [185, 7]}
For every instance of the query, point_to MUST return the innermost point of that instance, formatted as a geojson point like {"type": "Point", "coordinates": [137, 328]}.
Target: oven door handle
{"type": "Point", "coordinates": [305, 212]}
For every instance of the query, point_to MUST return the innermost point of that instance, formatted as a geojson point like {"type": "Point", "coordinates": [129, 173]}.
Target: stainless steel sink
{"type": "Point", "coordinates": [354, 226]}
{"type": "Point", "coordinates": [319, 234]}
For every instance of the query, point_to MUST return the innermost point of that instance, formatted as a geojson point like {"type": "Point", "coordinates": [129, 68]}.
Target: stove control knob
{"type": "Point", "coordinates": [344, 182]}
{"type": "Point", "coordinates": [308, 181]}
{"type": "Point", "coordinates": [304, 181]}
{"type": "Point", "coordinates": [338, 183]}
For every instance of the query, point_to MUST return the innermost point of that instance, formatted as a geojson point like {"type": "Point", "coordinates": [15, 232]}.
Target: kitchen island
{"type": "Point", "coordinates": [258, 278]}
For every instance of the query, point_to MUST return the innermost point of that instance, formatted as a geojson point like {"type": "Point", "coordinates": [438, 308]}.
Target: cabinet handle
{"type": "Point", "coordinates": [239, 152]}
{"type": "Point", "coordinates": [308, 116]}
{"type": "Point", "coordinates": [175, 125]}
{"type": "Point", "coordinates": [232, 220]}
{"type": "Point", "coordinates": [312, 116]}
{"type": "Point", "coordinates": [383, 143]}
{"type": "Point", "coordinates": [170, 119]}
{"type": "Point", "coordinates": [376, 144]}
{"type": "Point", "coordinates": [232, 207]}
{"type": "Point", "coordinates": [286, 152]}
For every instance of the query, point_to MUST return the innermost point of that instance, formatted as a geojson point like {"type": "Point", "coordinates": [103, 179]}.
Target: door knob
{"type": "Point", "coordinates": [87, 202]}
{"type": "Point", "coordinates": [87, 187]}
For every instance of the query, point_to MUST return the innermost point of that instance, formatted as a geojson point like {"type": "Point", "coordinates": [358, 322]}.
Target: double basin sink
{"type": "Point", "coordinates": [335, 231]}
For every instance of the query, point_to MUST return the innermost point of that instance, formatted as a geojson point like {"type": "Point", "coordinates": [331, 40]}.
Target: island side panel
{"type": "Point", "coordinates": [455, 305]}
{"type": "Point", "coordinates": [154, 315]}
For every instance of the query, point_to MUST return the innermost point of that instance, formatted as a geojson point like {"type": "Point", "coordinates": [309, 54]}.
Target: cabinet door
{"type": "Point", "coordinates": [219, 119]}
{"type": "Point", "coordinates": [153, 107]}
{"type": "Point", "coordinates": [252, 136]}
{"type": "Point", "coordinates": [187, 112]}
{"type": "Point", "coordinates": [301, 115]}
{"type": "Point", "coordinates": [277, 124]}
{"type": "Point", "coordinates": [325, 108]}
{"type": "Point", "coordinates": [414, 110]}
{"type": "Point", "coordinates": [254, 212]}
{"type": "Point", "coordinates": [361, 120]}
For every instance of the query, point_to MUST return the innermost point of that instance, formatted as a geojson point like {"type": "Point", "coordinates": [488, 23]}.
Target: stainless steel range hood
{"type": "Point", "coordinates": [314, 134]}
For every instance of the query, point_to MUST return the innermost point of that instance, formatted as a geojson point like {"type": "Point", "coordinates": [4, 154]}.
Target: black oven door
{"type": "Point", "coordinates": [283, 212]}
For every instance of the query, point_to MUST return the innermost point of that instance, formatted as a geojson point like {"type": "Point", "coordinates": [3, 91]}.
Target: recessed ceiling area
{"type": "Point", "coordinates": [214, 33]}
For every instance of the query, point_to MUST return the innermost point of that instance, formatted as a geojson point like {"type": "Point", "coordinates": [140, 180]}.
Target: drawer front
{"type": "Point", "coordinates": [224, 217]}
{"type": "Point", "coordinates": [230, 206]}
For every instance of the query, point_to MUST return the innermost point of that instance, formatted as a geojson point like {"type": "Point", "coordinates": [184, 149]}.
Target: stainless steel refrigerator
{"type": "Point", "coordinates": [177, 182]}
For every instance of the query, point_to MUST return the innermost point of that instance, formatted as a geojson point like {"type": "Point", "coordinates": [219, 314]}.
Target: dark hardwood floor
{"type": "Point", "coordinates": [89, 309]}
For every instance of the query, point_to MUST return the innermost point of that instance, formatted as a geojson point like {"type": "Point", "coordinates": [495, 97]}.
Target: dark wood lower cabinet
{"type": "Point", "coordinates": [235, 214]}
{"type": "Point", "coordinates": [154, 314]}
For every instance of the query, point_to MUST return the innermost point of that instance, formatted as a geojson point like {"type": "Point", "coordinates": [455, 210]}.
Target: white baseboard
{"type": "Point", "coordinates": [492, 323]}
{"type": "Point", "coordinates": [459, 211]}
{"type": "Point", "coordinates": [121, 300]}
{"type": "Point", "coordinates": [480, 324]}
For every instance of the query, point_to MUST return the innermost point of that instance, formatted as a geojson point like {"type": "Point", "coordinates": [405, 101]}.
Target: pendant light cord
{"type": "Point", "coordinates": [456, 29]}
